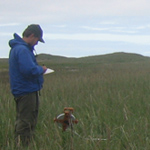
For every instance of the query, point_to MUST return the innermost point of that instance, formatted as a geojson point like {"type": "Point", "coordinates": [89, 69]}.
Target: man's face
{"type": "Point", "coordinates": [34, 40]}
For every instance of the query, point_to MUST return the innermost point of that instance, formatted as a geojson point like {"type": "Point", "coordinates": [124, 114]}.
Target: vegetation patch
{"type": "Point", "coordinates": [110, 99]}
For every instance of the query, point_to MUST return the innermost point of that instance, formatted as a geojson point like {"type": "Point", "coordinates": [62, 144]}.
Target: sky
{"type": "Point", "coordinates": [79, 28]}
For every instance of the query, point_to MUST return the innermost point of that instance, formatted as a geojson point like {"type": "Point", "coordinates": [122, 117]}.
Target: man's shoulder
{"type": "Point", "coordinates": [20, 48]}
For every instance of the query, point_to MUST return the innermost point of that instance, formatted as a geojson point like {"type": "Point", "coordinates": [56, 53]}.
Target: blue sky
{"type": "Point", "coordinates": [79, 28]}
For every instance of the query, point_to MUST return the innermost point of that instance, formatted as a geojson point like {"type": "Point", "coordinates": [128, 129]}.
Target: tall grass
{"type": "Point", "coordinates": [111, 102]}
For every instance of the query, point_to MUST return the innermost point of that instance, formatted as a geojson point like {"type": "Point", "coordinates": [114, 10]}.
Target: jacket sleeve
{"type": "Point", "coordinates": [27, 65]}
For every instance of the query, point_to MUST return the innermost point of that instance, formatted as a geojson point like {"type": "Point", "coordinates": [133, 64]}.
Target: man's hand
{"type": "Point", "coordinates": [44, 68]}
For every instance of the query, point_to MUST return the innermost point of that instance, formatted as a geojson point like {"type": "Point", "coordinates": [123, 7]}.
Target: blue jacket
{"type": "Point", "coordinates": [26, 76]}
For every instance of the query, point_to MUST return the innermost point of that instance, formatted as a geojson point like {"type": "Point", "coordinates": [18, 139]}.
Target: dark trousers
{"type": "Point", "coordinates": [27, 107]}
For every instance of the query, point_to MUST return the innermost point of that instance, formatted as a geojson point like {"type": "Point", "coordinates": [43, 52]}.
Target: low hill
{"type": "Point", "coordinates": [116, 58]}
{"type": "Point", "coordinates": [119, 57]}
{"type": "Point", "coordinates": [50, 57]}
{"type": "Point", "coordinates": [54, 58]}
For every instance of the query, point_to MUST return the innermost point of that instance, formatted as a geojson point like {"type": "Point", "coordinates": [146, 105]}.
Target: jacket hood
{"type": "Point", "coordinates": [18, 41]}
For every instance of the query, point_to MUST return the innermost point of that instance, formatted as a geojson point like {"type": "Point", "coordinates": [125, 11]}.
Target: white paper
{"type": "Point", "coordinates": [48, 71]}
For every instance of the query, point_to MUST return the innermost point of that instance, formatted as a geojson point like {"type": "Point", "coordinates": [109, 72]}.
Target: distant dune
{"type": "Point", "coordinates": [108, 58]}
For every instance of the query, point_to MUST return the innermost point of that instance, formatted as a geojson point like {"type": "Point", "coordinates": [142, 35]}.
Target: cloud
{"type": "Point", "coordinates": [95, 29]}
{"type": "Point", "coordinates": [9, 24]}
{"type": "Point", "coordinates": [57, 11]}
{"type": "Point", "coordinates": [136, 39]}
{"type": "Point", "coordinates": [108, 23]}
{"type": "Point", "coordinates": [111, 29]}
{"type": "Point", "coordinates": [79, 20]}
{"type": "Point", "coordinates": [59, 26]}
{"type": "Point", "coordinates": [143, 27]}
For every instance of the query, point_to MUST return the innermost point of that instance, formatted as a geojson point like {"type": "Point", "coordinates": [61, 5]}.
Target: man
{"type": "Point", "coordinates": [26, 79]}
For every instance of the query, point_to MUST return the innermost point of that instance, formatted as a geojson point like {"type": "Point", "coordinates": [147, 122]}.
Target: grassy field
{"type": "Point", "coordinates": [111, 101]}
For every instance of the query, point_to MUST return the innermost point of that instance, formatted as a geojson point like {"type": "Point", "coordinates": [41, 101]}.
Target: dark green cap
{"type": "Point", "coordinates": [37, 31]}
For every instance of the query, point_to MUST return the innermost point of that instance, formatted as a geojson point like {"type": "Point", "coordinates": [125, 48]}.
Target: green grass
{"type": "Point", "coordinates": [110, 100]}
